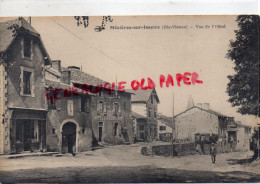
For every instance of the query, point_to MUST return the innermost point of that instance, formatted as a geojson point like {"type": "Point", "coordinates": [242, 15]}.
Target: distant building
{"type": "Point", "coordinates": [201, 120]}
{"type": "Point", "coordinates": [165, 126]}
{"type": "Point", "coordinates": [145, 103]}
{"type": "Point", "coordinates": [239, 136]}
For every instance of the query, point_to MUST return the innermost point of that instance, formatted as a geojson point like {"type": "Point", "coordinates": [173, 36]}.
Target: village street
{"type": "Point", "coordinates": [124, 163]}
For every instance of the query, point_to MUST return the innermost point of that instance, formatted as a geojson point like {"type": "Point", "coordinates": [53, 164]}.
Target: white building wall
{"type": "Point", "coordinates": [195, 121]}
{"type": "Point", "coordinates": [139, 108]}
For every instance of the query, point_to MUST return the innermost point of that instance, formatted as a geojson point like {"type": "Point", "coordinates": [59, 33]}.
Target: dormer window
{"type": "Point", "coordinates": [27, 46]}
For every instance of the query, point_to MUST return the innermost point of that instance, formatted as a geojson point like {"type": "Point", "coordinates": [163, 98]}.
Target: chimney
{"type": "Point", "coordinates": [190, 102]}
{"type": "Point", "coordinates": [56, 65]}
{"type": "Point", "coordinates": [203, 105]}
{"type": "Point", "coordinates": [66, 77]}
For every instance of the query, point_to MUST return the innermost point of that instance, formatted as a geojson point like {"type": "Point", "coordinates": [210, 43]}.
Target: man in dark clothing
{"type": "Point", "coordinates": [213, 153]}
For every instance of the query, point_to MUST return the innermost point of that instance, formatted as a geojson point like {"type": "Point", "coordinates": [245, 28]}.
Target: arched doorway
{"type": "Point", "coordinates": [69, 137]}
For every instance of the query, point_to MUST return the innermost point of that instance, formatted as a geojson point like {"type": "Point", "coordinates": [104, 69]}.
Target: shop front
{"type": "Point", "coordinates": [28, 130]}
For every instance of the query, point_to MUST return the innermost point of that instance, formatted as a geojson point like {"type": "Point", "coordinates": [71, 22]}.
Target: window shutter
{"type": "Point", "coordinates": [105, 107]}
{"type": "Point", "coordinates": [21, 83]}
{"type": "Point", "coordinates": [58, 104]}
{"type": "Point", "coordinates": [22, 50]}
{"type": "Point", "coordinates": [79, 104]}
{"type": "Point", "coordinates": [119, 109]}
{"type": "Point", "coordinates": [32, 85]}
{"type": "Point", "coordinates": [114, 109]}
{"type": "Point", "coordinates": [31, 49]}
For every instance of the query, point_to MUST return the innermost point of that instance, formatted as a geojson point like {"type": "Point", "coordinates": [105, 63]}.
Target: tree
{"type": "Point", "coordinates": [243, 87]}
{"type": "Point", "coordinates": [84, 20]}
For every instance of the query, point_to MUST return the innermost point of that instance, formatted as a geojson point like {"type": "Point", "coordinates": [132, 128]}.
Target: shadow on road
{"type": "Point", "coordinates": [144, 174]}
{"type": "Point", "coordinates": [240, 161]}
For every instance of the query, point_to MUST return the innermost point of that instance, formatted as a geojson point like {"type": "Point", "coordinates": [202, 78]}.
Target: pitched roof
{"type": "Point", "coordinates": [7, 34]}
{"type": "Point", "coordinates": [165, 120]}
{"type": "Point", "coordinates": [59, 85]}
{"type": "Point", "coordinates": [234, 124]}
{"type": "Point", "coordinates": [77, 76]}
{"type": "Point", "coordinates": [80, 77]}
{"type": "Point", "coordinates": [142, 95]}
{"type": "Point", "coordinates": [207, 110]}
{"type": "Point", "coordinates": [137, 116]}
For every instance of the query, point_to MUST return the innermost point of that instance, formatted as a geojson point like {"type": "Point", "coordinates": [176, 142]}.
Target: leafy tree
{"type": "Point", "coordinates": [243, 87]}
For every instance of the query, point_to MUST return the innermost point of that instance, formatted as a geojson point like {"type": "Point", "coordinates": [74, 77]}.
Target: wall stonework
{"type": "Point", "coordinates": [55, 118]}
{"type": "Point", "coordinates": [195, 121]}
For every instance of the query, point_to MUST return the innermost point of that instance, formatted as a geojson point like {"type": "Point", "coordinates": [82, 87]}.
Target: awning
{"type": "Point", "coordinates": [32, 114]}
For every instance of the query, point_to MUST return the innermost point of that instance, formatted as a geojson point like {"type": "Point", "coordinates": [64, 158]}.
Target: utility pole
{"type": "Point", "coordinates": [172, 122]}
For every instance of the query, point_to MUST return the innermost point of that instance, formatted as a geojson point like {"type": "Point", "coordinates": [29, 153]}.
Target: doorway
{"type": "Point", "coordinates": [69, 138]}
{"type": "Point", "coordinates": [27, 135]}
{"type": "Point", "coordinates": [100, 131]}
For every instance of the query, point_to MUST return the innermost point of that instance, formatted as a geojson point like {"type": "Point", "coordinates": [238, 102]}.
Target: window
{"type": "Point", "coordinates": [27, 82]}
{"type": "Point", "coordinates": [105, 107]}
{"type": "Point", "coordinates": [149, 112]}
{"type": "Point", "coordinates": [53, 131]}
{"type": "Point", "coordinates": [83, 104]}
{"type": "Point", "coordinates": [27, 43]}
{"type": "Point", "coordinates": [100, 106]}
{"type": "Point", "coordinates": [155, 113]}
{"type": "Point", "coordinates": [115, 129]}
{"type": "Point", "coordinates": [141, 127]}
{"type": "Point", "coordinates": [53, 103]}
{"type": "Point", "coordinates": [117, 109]}
{"type": "Point", "coordinates": [162, 128]}
{"type": "Point", "coordinates": [124, 106]}
{"type": "Point", "coordinates": [83, 130]}
{"type": "Point", "coordinates": [87, 104]}
{"type": "Point", "coordinates": [151, 99]}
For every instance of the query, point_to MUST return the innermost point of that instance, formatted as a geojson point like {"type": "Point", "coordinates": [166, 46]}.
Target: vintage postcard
{"type": "Point", "coordinates": [129, 99]}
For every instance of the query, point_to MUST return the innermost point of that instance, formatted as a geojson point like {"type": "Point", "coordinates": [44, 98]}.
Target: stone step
{"type": "Point", "coordinates": [22, 155]}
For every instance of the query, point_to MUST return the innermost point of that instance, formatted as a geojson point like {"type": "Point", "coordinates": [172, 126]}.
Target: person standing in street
{"type": "Point", "coordinates": [213, 153]}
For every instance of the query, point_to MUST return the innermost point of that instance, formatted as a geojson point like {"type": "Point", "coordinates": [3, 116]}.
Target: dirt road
{"type": "Point", "coordinates": [124, 163]}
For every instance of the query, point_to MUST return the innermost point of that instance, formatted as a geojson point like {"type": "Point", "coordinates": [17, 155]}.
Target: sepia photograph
{"type": "Point", "coordinates": [129, 99]}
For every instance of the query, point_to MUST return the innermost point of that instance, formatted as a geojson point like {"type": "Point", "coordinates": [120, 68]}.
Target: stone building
{"type": "Point", "coordinates": [110, 113]}
{"type": "Point", "coordinates": [165, 126]}
{"type": "Point", "coordinates": [201, 120]}
{"type": "Point", "coordinates": [239, 136]}
{"type": "Point", "coordinates": [23, 109]}
{"type": "Point", "coordinates": [44, 106]}
{"type": "Point", "coordinates": [69, 127]}
{"type": "Point", "coordinates": [145, 102]}
{"type": "Point", "coordinates": [76, 122]}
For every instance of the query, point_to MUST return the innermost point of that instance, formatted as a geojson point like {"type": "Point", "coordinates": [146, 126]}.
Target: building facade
{"type": "Point", "coordinates": [201, 121]}
{"type": "Point", "coordinates": [239, 136]}
{"type": "Point", "coordinates": [145, 102]}
{"type": "Point", "coordinates": [23, 106]}
{"type": "Point", "coordinates": [111, 114]}
{"type": "Point", "coordinates": [46, 107]}
{"type": "Point", "coordinates": [165, 128]}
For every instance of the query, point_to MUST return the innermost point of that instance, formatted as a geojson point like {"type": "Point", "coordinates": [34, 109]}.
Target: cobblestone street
{"type": "Point", "coordinates": [124, 163]}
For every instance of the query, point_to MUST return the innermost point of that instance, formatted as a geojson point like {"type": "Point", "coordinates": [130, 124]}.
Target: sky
{"type": "Point", "coordinates": [135, 54]}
